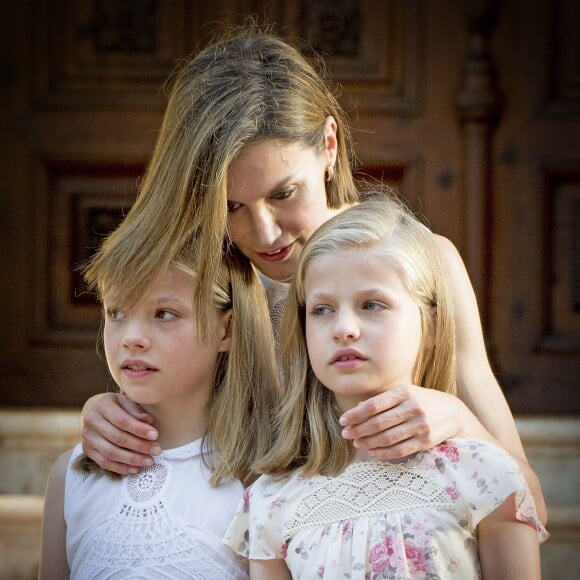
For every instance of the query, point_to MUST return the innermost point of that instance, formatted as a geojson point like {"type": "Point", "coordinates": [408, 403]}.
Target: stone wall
{"type": "Point", "coordinates": [30, 440]}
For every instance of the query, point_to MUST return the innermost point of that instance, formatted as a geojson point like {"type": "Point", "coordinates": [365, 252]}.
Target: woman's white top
{"type": "Point", "coordinates": [165, 522]}
{"type": "Point", "coordinates": [277, 292]}
{"type": "Point", "coordinates": [379, 519]}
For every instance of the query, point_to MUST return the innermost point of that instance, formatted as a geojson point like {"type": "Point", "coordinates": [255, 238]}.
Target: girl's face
{"type": "Point", "coordinates": [153, 350]}
{"type": "Point", "coordinates": [276, 199]}
{"type": "Point", "coordinates": [363, 328]}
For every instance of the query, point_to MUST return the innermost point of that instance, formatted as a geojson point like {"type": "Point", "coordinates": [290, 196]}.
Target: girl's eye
{"type": "Point", "coordinates": [319, 310]}
{"type": "Point", "coordinates": [374, 305]}
{"type": "Point", "coordinates": [165, 314]}
{"type": "Point", "coordinates": [115, 314]}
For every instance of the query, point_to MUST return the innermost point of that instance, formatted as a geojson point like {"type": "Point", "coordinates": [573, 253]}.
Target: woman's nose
{"type": "Point", "coordinates": [266, 227]}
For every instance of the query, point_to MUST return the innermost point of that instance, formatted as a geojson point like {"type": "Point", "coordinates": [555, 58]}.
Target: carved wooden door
{"type": "Point", "coordinates": [490, 161]}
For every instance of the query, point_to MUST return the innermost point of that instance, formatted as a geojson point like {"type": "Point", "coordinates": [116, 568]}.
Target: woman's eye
{"type": "Point", "coordinates": [233, 206]}
{"type": "Point", "coordinates": [283, 194]}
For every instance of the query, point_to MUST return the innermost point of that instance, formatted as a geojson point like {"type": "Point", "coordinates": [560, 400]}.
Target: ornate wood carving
{"type": "Point", "coordinates": [561, 63]}
{"type": "Point", "coordinates": [560, 326]}
{"type": "Point", "coordinates": [80, 204]}
{"type": "Point", "coordinates": [107, 51]}
{"type": "Point", "coordinates": [372, 48]}
{"type": "Point", "coordinates": [478, 107]}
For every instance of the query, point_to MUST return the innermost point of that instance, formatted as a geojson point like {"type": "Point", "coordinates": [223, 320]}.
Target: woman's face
{"type": "Point", "coordinates": [276, 199]}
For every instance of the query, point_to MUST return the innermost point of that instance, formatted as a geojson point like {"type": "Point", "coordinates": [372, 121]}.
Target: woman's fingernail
{"type": "Point", "coordinates": [133, 470]}
{"type": "Point", "coordinates": [152, 435]}
{"type": "Point", "coordinates": [147, 462]}
{"type": "Point", "coordinates": [155, 450]}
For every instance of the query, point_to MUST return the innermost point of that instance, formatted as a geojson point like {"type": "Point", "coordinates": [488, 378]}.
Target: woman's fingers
{"type": "Point", "coordinates": [402, 421]}
{"type": "Point", "coordinates": [378, 413]}
{"type": "Point", "coordinates": [115, 440]}
{"type": "Point", "coordinates": [133, 409]}
{"type": "Point", "coordinates": [371, 407]}
{"type": "Point", "coordinates": [110, 419]}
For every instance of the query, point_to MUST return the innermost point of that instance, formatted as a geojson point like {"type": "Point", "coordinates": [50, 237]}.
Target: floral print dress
{"type": "Point", "coordinates": [378, 519]}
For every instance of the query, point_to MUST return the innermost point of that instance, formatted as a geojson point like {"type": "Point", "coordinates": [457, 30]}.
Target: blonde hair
{"type": "Point", "coordinates": [248, 87]}
{"type": "Point", "coordinates": [246, 377]}
{"type": "Point", "coordinates": [308, 431]}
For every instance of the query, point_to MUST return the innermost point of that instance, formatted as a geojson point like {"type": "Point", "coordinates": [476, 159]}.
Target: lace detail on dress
{"type": "Point", "coordinates": [368, 489]}
{"type": "Point", "coordinates": [276, 318]}
{"type": "Point", "coordinates": [152, 540]}
{"type": "Point", "coordinates": [138, 531]}
{"type": "Point", "coordinates": [146, 484]}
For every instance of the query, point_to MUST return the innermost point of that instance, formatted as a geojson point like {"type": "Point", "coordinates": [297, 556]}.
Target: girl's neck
{"type": "Point", "coordinates": [177, 425]}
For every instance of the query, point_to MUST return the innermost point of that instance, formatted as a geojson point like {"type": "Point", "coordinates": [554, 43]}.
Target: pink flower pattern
{"type": "Point", "coordinates": [449, 451]}
{"type": "Point", "coordinates": [415, 558]}
{"type": "Point", "coordinates": [429, 542]}
{"type": "Point", "coordinates": [383, 556]}
{"type": "Point", "coordinates": [452, 492]}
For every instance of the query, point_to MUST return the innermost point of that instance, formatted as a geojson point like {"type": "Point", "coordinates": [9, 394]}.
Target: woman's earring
{"type": "Point", "coordinates": [329, 173]}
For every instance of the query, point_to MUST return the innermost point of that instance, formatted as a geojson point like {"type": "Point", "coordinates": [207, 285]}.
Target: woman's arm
{"type": "Point", "coordinates": [269, 570]}
{"type": "Point", "coordinates": [409, 418]}
{"type": "Point", "coordinates": [117, 434]}
{"type": "Point", "coordinates": [508, 548]}
{"type": "Point", "coordinates": [53, 560]}
{"type": "Point", "coordinates": [477, 385]}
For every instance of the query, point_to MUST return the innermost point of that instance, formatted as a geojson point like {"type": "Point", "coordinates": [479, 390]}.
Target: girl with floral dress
{"type": "Point", "coordinates": [370, 309]}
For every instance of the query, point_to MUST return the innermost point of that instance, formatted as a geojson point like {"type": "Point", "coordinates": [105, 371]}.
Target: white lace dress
{"type": "Point", "coordinates": [414, 519]}
{"type": "Point", "coordinates": [165, 522]}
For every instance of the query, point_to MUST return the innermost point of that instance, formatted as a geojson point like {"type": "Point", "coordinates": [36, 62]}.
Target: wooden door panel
{"type": "Point", "coordinates": [82, 100]}
{"type": "Point", "coordinates": [536, 319]}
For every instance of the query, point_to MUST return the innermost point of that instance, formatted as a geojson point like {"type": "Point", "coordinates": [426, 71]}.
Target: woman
{"type": "Point", "coordinates": [255, 149]}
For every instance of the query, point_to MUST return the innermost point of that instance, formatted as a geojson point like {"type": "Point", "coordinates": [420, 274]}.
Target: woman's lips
{"type": "Point", "coordinates": [277, 255]}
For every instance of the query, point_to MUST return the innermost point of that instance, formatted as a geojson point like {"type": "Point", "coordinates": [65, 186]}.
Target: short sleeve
{"type": "Point", "coordinates": [482, 476]}
{"type": "Point", "coordinates": [256, 530]}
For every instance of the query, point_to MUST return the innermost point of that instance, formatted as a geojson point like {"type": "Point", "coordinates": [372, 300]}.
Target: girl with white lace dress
{"type": "Point", "coordinates": [370, 309]}
{"type": "Point", "coordinates": [210, 388]}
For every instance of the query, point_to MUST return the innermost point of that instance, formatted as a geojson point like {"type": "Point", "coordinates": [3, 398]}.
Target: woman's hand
{"type": "Point", "coordinates": [117, 434]}
{"type": "Point", "coordinates": [407, 419]}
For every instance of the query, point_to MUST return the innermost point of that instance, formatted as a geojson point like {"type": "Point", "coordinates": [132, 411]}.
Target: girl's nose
{"type": "Point", "coordinates": [135, 339]}
{"type": "Point", "coordinates": [346, 327]}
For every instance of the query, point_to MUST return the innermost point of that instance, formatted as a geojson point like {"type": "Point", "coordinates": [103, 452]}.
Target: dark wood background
{"type": "Point", "coordinates": [471, 108]}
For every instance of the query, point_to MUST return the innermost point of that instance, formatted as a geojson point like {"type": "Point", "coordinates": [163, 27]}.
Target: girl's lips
{"type": "Point", "coordinates": [348, 363]}
{"type": "Point", "coordinates": [139, 373]}
{"type": "Point", "coordinates": [276, 256]}
{"type": "Point", "coordinates": [347, 359]}
{"type": "Point", "coordinates": [137, 369]}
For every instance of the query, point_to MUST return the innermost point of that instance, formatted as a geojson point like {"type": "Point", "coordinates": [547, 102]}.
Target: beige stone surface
{"type": "Point", "coordinates": [30, 440]}
{"type": "Point", "coordinates": [20, 522]}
